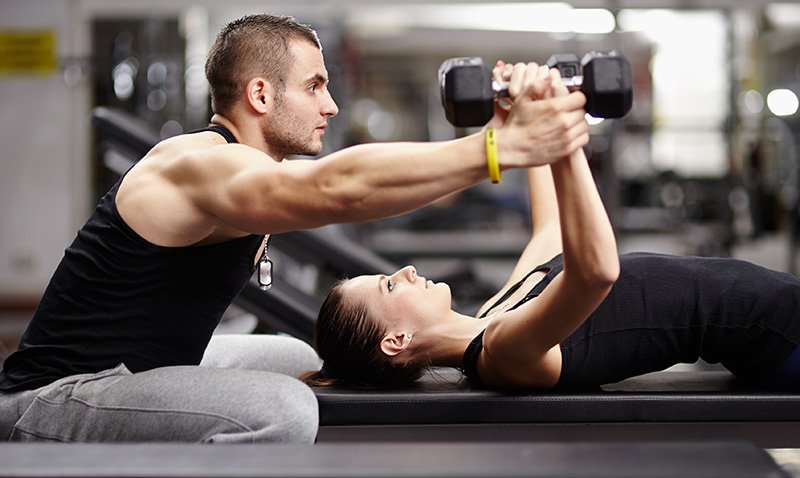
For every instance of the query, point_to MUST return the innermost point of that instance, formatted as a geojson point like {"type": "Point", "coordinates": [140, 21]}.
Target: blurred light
{"type": "Point", "coordinates": [157, 73]}
{"type": "Point", "coordinates": [661, 25]}
{"type": "Point", "coordinates": [157, 99]}
{"type": "Point", "coordinates": [195, 27]}
{"type": "Point", "coordinates": [123, 77]}
{"type": "Point", "coordinates": [752, 101]}
{"type": "Point", "coordinates": [171, 128]}
{"type": "Point", "coordinates": [685, 41]}
{"type": "Point", "coordinates": [527, 17]}
{"type": "Point", "coordinates": [593, 120]}
{"type": "Point", "coordinates": [381, 125]}
{"type": "Point", "coordinates": [73, 75]}
{"type": "Point", "coordinates": [361, 109]}
{"type": "Point", "coordinates": [782, 102]}
{"type": "Point", "coordinates": [783, 15]}
{"type": "Point", "coordinates": [592, 20]}
{"type": "Point", "coordinates": [196, 85]}
{"type": "Point", "coordinates": [657, 24]}
{"type": "Point", "coordinates": [367, 114]}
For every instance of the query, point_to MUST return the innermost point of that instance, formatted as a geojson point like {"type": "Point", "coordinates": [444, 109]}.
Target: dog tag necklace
{"type": "Point", "coordinates": [265, 266]}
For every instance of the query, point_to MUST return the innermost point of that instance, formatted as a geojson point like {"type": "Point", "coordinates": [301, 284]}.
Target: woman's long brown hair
{"type": "Point", "coordinates": [348, 340]}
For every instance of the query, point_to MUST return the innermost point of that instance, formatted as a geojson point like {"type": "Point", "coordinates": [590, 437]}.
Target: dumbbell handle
{"type": "Point", "coordinates": [500, 88]}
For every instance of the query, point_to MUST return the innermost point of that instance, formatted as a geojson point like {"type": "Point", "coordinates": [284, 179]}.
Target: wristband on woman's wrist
{"type": "Point", "coordinates": [491, 156]}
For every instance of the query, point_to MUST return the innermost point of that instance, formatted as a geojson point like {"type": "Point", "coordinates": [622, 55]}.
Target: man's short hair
{"type": "Point", "coordinates": [254, 45]}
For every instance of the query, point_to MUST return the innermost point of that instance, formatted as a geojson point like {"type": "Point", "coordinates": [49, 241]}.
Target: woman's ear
{"type": "Point", "coordinates": [395, 342]}
{"type": "Point", "coordinates": [259, 94]}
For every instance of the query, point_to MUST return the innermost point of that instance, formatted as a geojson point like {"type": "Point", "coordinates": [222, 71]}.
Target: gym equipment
{"type": "Point", "coordinates": [468, 91]}
{"type": "Point", "coordinates": [168, 460]}
{"type": "Point", "coordinates": [669, 405]}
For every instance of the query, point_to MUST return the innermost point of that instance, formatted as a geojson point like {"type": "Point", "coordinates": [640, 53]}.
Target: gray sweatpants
{"type": "Point", "coordinates": [243, 391]}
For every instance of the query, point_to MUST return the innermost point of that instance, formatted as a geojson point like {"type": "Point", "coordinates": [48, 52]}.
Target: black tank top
{"type": "Point", "coordinates": [117, 298]}
{"type": "Point", "coordinates": [665, 310]}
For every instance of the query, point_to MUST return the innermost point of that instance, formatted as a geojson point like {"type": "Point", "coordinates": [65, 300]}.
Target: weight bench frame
{"type": "Point", "coordinates": [669, 405]}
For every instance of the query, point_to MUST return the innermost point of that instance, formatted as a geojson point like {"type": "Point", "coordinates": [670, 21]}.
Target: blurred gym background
{"type": "Point", "coordinates": [705, 164]}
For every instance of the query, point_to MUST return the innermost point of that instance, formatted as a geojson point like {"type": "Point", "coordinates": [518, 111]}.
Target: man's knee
{"type": "Point", "coordinates": [270, 353]}
{"type": "Point", "coordinates": [287, 411]}
{"type": "Point", "coordinates": [301, 421]}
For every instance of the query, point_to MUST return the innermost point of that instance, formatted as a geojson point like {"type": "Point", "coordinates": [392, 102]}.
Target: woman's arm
{"type": "Point", "coordinates": [545, 241]}
{"type": "Point", "coordinates": [521, 346]}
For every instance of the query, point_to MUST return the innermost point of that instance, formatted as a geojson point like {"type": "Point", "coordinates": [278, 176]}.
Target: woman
{"type": "Point", "coordinates": [573, 313]}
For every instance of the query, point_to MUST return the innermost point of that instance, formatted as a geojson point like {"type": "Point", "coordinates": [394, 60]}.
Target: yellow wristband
{"type": "Point", "coordinates": [491, 155]}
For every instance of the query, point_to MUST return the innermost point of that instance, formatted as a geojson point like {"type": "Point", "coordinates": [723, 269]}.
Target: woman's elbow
{"type": "Point", "coordinates": [610, 271]}
{"type": "Point", "coordinates": [601, 275]}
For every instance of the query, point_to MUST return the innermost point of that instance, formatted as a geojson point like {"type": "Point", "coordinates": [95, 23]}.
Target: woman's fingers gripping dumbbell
{"type": "Point", "coordinates": [501, 74]}
{"type": "Point", "coordinates": [529, 81]}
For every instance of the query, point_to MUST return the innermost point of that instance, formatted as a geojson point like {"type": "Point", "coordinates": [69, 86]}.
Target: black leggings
{"type": "Point", "coordinates": [788, 374]}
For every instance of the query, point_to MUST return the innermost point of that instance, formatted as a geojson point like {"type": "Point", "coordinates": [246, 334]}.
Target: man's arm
{"type": "Point", "coordinates": [250, 192]}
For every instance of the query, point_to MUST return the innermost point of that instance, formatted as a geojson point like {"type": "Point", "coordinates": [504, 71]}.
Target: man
{"type": "Point", "coordinates": [113, 350]}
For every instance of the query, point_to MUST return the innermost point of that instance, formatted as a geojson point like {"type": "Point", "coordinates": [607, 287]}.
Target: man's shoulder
{"type": "Point", "coordinates": [188, 142]}
{"type": "Point", "coordinates": [182, 151]}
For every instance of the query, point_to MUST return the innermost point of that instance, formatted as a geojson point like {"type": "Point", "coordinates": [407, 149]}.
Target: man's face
{"type": "Point", "coordinates": [300, 115]}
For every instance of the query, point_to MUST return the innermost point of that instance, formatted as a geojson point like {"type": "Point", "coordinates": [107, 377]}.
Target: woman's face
{"type": "Point", "coordinates": [402, 296]}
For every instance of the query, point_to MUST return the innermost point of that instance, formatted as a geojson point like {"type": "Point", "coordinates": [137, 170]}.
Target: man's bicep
{"type": "Point", "coordinates": [262, 196]}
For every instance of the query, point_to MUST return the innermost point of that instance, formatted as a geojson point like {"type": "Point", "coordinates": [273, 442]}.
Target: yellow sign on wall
{"type": "Point", "coordinates": [27, 51]}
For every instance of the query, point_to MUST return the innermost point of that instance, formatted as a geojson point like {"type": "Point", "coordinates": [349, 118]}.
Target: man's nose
{"type": "Point", "coordinates": [330, 109]}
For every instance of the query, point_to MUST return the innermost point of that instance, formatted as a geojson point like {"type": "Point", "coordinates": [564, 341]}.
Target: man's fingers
{"type": "Point", "coordinates": [517, 80]}
{"type": "Point", "coordinates": [536, 81]}
{"type": "Point", "coordinates": [572, 101]}
{"type": "Point", "coordinates": [541, 82]}
{"type": "Point", "coordinates": [557, 86]}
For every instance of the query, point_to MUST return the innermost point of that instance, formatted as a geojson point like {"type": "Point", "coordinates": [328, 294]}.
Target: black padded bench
{"type": "Point", "coordinates": [498, 460]}
{"type": "Point", "coordinates": [670, 405]}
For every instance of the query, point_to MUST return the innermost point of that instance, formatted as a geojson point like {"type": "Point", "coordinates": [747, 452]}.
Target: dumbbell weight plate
{"type": "Point", "coordinates": [607, 84]}
{"type": "Point", "coordinates": [466, 91]}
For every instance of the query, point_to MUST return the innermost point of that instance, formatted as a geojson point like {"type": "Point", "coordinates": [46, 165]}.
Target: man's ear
{"type": "Point", "coordinates": [395, 342]}
{"type": "Point", "coordinates": [259, 94]}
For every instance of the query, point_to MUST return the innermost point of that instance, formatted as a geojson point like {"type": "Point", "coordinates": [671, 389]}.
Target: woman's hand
{"type": "Point", "coordinates": [550, 120]}
{"type": "Point", "coordinates": [535, 79]}
{"type": "Point", "coordinates": [501, 73]}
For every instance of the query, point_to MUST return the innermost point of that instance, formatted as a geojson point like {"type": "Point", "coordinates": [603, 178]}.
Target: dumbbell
{"type": "Point", "coordinates": [468, 91]}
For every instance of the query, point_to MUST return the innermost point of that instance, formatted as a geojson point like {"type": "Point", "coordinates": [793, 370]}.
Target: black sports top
{"type": "Point", "coordinates": [665, 310]}
{"type": "Point", "coordinates": [117, 298]}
